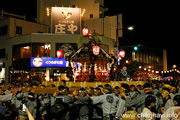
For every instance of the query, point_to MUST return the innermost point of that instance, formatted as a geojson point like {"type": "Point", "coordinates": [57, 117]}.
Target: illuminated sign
{"type": "Point", "coordinates": [65, 20]}
{"type": "Point", "coordinates": [67, 48]}
{"type": "Point", "coordinates": [48, 62]}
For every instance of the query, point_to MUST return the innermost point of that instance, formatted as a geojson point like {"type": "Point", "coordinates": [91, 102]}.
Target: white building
{"type": "Point", "coordinates": [31, 38]}
{"type": "Point", "coordinates": [92, 15]}
{"type": "Point", "coordinates": [12, 27]}
{"type": "Point", "coordinates": [22, 48]}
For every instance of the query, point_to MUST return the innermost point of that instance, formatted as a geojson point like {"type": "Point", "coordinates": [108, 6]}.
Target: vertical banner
{"type": "Point", "coordinates": [65, 20]}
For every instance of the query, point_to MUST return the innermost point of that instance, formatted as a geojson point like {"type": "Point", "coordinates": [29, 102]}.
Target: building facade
{"type": "Point", "coordinates": [12, 27]}
{"type": "Point", "coordinates": [22, 45]}
{"type": "Point", "coordinates": [22, 49]}
{"type": "Point", "coordinates": [21, 40]}
{"type": "Point", "coordinates": [89, 8]}
{"type": "Point", "coordinates": [92, 16]}
{"type": "Point", "coordinates": [151, 61]}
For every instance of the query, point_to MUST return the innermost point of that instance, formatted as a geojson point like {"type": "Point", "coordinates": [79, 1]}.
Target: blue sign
{"type": "Point", "coordinates": [48, 62]}
{"type": "Point", "coordinates": [124, 68]}
{"type": "Point", "coordinates": [124, 73]}
{"type": "Point", "coordinates": [119, 59]}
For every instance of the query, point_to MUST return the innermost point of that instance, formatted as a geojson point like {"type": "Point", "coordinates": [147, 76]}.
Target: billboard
{"type": "Point", "coordinates": [65, 20]}
{"type": "Point", "coordinates": [48, 62]}
{"type": "Point", "coordinates": [67, 48]}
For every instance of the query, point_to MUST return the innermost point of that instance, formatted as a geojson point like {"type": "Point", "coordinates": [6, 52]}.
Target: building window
{"type": "Point", "coordinates": [18, 30]}
{"type": "Point", "coordinates": [21, 51]}
{"type": "Point", "coordinates": [157, 60]}
{"type": "Point", "coordinates": [25, 52]}
{"type": "Point", "coordinates": [133, 55]}
{"type": "Point", "coordinates": [41, 49]}
{"type": "Point", "coordinates": [91, 15]}
{"type": "Point", "coordinates": [2, 53]}
{"type": "Point", "coordinates": [3, 30]}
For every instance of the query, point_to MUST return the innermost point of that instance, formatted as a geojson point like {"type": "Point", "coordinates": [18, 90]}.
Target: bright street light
{"type": "Point", "coordinates": [127, 61]}
{"type": "Point", "coordinates": [130, 28]}
{"type": "Point", "coordinates": [174, 66]}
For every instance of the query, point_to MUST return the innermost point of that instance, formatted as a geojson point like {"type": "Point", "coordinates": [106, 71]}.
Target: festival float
{"type": "Point", "coordinates": [90, 62]}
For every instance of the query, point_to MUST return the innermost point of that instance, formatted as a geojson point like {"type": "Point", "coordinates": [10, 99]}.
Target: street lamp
{"type": "Point", "coordinates": [127, 61]}
{"type": "Point", "coordinates": [130, 28]}
{"type": "Point", "coordinates": [174, 66]}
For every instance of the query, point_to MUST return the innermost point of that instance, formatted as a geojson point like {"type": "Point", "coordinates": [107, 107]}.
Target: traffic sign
{"type": "Point", "coordinates": [124, 68]}
{"type": "Point", "coordinates": [124, 73]}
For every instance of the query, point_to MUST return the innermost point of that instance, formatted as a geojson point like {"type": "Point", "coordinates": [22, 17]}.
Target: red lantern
{"type": "Point", "coordinates": [104, 73]}
{"type": "Point", "coordinates": [115, 69]}
{"type": "Point", "coordinates": [77, 73]}
{"type": "Point", "coordinates": [96, 50]}
{"type": "Point", "coordinates": [95, 72]}
{"type": "Point", "coordinates": [59, 53]}
{"type": "Point", "coordinates": [122, 54]}
{"type": "Point", "coordinates": [85, 32]}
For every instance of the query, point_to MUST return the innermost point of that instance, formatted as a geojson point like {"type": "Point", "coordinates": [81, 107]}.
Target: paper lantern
{"type": "Point", "coordinates": [77, 73]}
{"type": "Point", "coordinates": [96, 50]}
{"type": "Point", "coordinates": [122, 54]}
{"type": "Point", "coordinates": [85, 32]}
{"type": "Point", "coordinates": [104, 73]}
{"type": "Point", "coordinates": [115, 69]}
{"type": "Point", "coordinates": [59, 53]}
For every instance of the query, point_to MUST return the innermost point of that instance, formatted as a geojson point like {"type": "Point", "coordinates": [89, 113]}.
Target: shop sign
{"type": "Point", "coordinates": [48, 62]}
{"type": "Point", "coordinates": [124, 73]}
{"type": "Point", "coordinates": [124, 68]}
{"type": "Point", "coordinates": [67, 48]}
{"type": "Point", "coordinates": [65, 20]}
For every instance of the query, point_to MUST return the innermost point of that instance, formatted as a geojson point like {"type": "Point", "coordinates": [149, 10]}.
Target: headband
{"type": "Point", "coordinates": [148, 88]}
{"type": "Point", "coordinates": [30, 96]}
{"type": "Point", "coordinates": [173, 87]}
{"type": "Point", "coordinates": [165, 91]}
{"type": "Point", "coordinates": [166, 85]}
{"type": "Point", "coordinates": [123, 88]}
{"type": "Point", "coordinates": [82, 91]}
{"type": "Point", "coordinates": [96, 90]}
{"type": "Point", "coordinates": [62, 90]}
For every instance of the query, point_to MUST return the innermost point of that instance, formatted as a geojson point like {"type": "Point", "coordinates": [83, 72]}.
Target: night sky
{"type": "Point", "coordinates": [156, 23]}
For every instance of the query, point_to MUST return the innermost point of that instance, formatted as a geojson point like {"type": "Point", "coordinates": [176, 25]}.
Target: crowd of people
{"type": "Point", "coordinates": [154, 100]}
